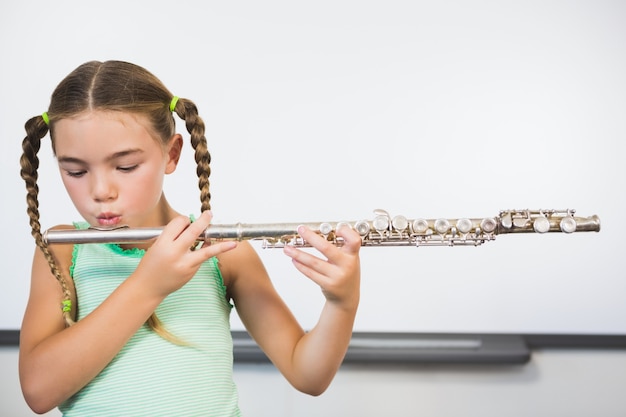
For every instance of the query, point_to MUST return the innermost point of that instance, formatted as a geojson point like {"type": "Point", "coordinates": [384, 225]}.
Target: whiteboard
{"type": "Point", "coordinates": [326, 111]}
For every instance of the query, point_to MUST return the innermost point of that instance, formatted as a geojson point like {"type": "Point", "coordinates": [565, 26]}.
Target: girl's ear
{"type": "Point", "coordinates": [174, 148]}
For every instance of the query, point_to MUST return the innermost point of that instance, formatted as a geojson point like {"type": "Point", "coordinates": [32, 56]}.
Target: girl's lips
{"type": "Point", "coordinates": [108, 219]}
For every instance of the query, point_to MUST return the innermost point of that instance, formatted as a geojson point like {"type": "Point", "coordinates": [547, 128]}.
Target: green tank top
{"type": "Point", "coordinates": [151, 376]}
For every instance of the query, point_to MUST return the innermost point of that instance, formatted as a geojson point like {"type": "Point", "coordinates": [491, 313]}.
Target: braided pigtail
{"type": "Point", "coordinates": [36, 129]}
{"type": "Point", "coordinates": [187, 111]}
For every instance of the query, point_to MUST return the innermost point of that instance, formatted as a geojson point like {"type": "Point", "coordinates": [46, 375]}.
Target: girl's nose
{"type": "Point", "coordinates": [103, 188]}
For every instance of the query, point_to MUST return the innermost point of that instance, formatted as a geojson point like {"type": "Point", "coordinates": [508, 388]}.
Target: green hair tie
{"type": "Point", "coordinates": [173, 103]}
{"type": "Point", "coordinates": [67, 306]}
{"type": "Point", "coordinates": [45, 118]}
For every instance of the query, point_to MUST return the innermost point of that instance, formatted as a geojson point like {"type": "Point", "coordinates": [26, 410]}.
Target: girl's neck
{"type": "Point", "coordinates": [164, 211]}
{"type": "Point", "coordinates": [163, 214]}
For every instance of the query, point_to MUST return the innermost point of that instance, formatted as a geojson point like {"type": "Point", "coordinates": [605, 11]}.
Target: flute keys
{"type": "Point", "coordinates": [362, 227]}
{"type": "Point", "coordinates": [325, 228]}
{"type": "Point", "coordinates": [464, 225]}
{"type": "Point", "coordinates": [506, 220]}
{"type": "Point", "coordinates": [381, 223]}
{"type": "Point", "coordinates": [400, 223]}
{"type": "Point", "coordinates": [541, 224]}
{"type": "Point", "coordinates": [442, 226]}
{"type": "Point", "coordinates": [488, 225]}
{"type": "Point", "coordinates": [568, 224]}
{"type": "Point", "coordinates": [420, 226]}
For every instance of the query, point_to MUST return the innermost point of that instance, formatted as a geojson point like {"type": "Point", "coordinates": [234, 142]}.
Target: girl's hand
{"type": "Point", "coordinates": [339, 275]}
{"type": "Point", "coordinates": [170, 263]}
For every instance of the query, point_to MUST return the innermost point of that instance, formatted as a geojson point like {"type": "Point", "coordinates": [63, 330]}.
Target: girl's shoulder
{"type": "Point", "coordinates": [242, 270]}
{"type": "Point", "coordinates": [241, 263]}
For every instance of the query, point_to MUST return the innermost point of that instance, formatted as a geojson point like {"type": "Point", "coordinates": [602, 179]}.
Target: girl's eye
{"type": "Point", "coordinates": [75, 174]}
{"type": "Point", "coordinates": [127, 168]}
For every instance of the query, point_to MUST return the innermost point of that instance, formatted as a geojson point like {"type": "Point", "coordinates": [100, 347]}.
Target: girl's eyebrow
{"type": "Point", "coordinates": [116, 155]}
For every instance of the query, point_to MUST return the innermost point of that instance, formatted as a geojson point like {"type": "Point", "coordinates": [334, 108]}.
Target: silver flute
{"type": "Point", "coordinates": [382, 230]}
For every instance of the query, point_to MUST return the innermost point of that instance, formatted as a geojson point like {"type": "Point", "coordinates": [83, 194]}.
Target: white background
{"type": "Point", "coordinates": [328, 110]}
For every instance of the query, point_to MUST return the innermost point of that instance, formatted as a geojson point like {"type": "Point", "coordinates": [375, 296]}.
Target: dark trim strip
{"type": "Point", "coordinates": [9, 337]}
{"type": "Point", "coordinates": [387, 348]}
{"type": "Point", "coordinates": [448, 348]}
{"type": "Point", "coordinates": [575, 341]}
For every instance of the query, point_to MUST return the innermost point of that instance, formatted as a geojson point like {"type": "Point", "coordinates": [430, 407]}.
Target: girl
{"type": "Point", "coordinates": [144, 329]}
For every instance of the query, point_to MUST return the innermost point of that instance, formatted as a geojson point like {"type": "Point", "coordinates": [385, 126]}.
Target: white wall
{"type": "Point", "coordinates": [325, 111]}
{"type": "Point", "coordinates": [575, 383]}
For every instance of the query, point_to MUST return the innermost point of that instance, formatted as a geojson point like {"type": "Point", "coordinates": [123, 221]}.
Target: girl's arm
{"type": "Point", "coordinates": [55, 361]}
{"type": "Point", "coordinates": [308, 360]}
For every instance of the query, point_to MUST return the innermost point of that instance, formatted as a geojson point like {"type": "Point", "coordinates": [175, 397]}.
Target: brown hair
{"type": "Point", "coordinates": [111, 86]}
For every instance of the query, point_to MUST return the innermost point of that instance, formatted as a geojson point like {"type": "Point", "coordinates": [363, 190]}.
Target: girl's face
{"type": "Point", "coordinates": [113, 168]}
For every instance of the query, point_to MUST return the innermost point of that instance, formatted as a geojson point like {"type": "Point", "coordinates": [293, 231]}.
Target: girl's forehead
{"type": "Point", "coordinates": [96, 123]}
{"type": "Point", "coordinates": [102, 128]}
